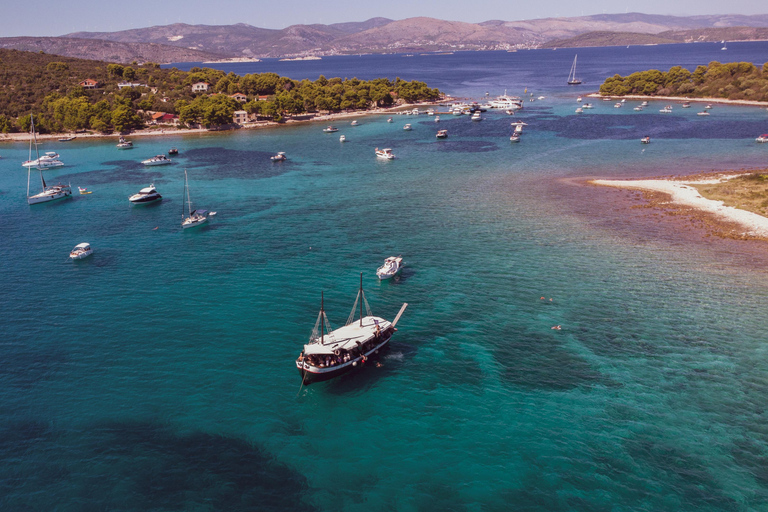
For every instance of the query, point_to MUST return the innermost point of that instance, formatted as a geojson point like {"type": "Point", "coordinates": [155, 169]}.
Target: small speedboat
{"type": "Point", "coordinates": [578, 99]}
{"type": "Point", "coordinates": [67, 139]}
{"type": "Point", "coordinates": [407, 127]}
{"type": "Point", "coordinates": [587, 105]}
{"type": "Point", "coordinates": [385, 154]}
{"type": "Point", "coordinates": [442, 134]}
{"type": "Point", "coordinates": [157, 160]}
{"type": "Point", "coordinates": [330, 129]}
{"type": "Point", "coordinates": [686, 105]}
{"type": "Point", "coordinates": [84, 191]}
{"type": "Point", "coordinates": [145, 195]}
{"type": "Point", "coordinates": [354, 123]}
{"type": "Point", "coordinates": [703, 113]}
{"type": "Point", "coordinates": [173, 151]}
{"type": "Point", "coordinates": [437, 119]}
{"type": "Point", "coordinates": [81, 251]}
{"type": "Point", "coordinates": [390, 268]}
{"type": "Point", "coordinates": [476, 117]}
{"type": "Point", "coordinates": [124, 144]}
{"type": "Point", "coordinates": [579, 110]}
{"type": "Point", "coordinates": [342, 138]}
{"type": "Point", "coordinates": [515, 137]}
{"type": "Point", "coordinates": [646, 139]}
{"type": "Point", "coordinates": [762, 138]}
{"type": "Point", "coordinates": [389, 120]}
{"type": "Point", "coordinates": [638, 109]}
{"type": "Point", "coordinates": [666, 110]}
{"type": "Point", "coordinates": [618, 105]}
{"type": "Point", "coordinates": [708, 107]}
{"type": "Point", "coordinates": [280, 157]}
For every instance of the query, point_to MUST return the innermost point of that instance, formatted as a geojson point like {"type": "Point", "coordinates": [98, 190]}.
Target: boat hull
{"type": "Point", "coordinates": [46, 197]}
{"type": "Point", "coordinates": [145, 200]}
{"type": "Point", "coordinates": [194, 224]}
{"type": "Point", "coordinates": [311, 374]}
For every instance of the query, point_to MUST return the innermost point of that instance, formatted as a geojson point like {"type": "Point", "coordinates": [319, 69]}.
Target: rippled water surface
{"type": "Point", "coordinates": [158, 374]}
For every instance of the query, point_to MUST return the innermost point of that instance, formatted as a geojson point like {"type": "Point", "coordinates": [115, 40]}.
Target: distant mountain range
{"type": "Point", "coordinates": [180, 42]}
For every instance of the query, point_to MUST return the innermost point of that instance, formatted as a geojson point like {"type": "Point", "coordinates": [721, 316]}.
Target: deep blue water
{"type": "Point", "coordinates": [158, 374]}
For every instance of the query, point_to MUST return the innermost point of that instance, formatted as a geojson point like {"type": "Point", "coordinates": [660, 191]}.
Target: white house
{"type": "Point", "coordinates": [240, 116]}
{"type": "Point", "coordinates": [200, 87]}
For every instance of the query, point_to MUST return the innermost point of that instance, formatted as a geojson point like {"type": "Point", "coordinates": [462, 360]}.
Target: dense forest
{"type": "Point", "coordinates": [733, 81]}
{"type": "Point", "coordinates": [48, 87]}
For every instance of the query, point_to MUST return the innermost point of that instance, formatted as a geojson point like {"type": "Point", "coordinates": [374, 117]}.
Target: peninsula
{"type": "Point", "coordinates": [712, 198]}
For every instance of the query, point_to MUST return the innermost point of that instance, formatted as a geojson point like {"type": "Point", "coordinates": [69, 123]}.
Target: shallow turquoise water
{"type": "Point", "coordinates": [158, 374]}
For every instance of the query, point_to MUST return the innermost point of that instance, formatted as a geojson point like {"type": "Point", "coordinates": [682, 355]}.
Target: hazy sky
{"type": "Point", "coordinates": [57, 17]}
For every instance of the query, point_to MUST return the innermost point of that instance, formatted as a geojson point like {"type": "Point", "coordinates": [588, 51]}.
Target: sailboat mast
{"type": "Point", "coordinates": [322, 319]}
{"type": "Point", "coordinates": [361, 299]}
{"type": "Point", "coordinates": [31, 137]}
{"type": "Point", "coordinates": [37, 151]}
{"type": "Point", "coordinates": [189, 202]}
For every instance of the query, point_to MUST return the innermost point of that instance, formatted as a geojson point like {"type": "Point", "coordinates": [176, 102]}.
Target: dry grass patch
{"type": "Point", "coordinates": [747, 192]}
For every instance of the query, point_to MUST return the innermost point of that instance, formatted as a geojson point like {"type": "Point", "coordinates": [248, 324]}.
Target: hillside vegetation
{"type": "Point", "coordinates": [48, 87]}
{"type": "Point", "coordinates": [733, 81]}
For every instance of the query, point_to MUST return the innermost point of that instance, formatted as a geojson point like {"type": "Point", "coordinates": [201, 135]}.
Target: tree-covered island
{"type": "Point", "coordinates": [731, 81]}
{"type": "Point", "coordinates": [68, 94]}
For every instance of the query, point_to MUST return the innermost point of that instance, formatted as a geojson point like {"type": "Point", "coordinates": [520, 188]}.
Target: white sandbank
{"type": "Point", "coordinates": [682, 193]}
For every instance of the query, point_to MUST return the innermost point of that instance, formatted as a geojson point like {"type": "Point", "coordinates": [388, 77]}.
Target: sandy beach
{"type": "Point", "coordinates": [740, 223]}
{"type": "Point", "coordinates": [167, 131]}
{"type": "Point", "coordinates": [721, 101]}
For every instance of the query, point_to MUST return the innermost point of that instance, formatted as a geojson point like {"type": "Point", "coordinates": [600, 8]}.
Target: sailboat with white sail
{"type": "Point", "coordinates": [572, 80]}
{"type": "Point", "coordinates": [49, 193]}
{"type": "Point", "coordinates": [331, 353]}
{"type": "Point", "coordinates": [192, 218]}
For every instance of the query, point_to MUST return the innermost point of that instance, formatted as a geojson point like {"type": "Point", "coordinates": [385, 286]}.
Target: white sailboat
{"type": "Point", "coordinates": [49, 193]}
{"type": "Point", "coordinates": [193, 217]}
{"type": "Point", "coordinates": [572, 80]}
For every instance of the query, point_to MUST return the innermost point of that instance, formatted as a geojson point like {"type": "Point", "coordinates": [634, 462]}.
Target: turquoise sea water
{"type": "Point", "coordinates": [159, 373]}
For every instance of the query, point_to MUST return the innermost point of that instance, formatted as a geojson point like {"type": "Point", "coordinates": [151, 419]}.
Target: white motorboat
{"type": "Point", "coordinates": [124, 144]}
{"type": "Point", "coordinates": [330, 129]}
{"type": "Point", "coordinates": [146, 195]}
{"type": "Point", "coordinates": [646, 139]}
{"type": "Point", "coordinates": [506, 102]}
{"type": "Point", "coordinates": [67, 139]}
{"type": "Point", "coordinates": [390, 268]}
{"type": "Point", "coordinates": [618, 105]}
{"type": "Point", "coordinates": [407, 127]}
{"type": "Point", "coordinates": [579, 110]}
{"type": "Point", "coordinates": [194, 218]}
{"type": "Point", "coordinates": [49, 193]}
{"type": "Point", "coordinates": [331, 353]}
{"type": "Point", "coordinates": [354, 123]}
{"type": "Point", "coordinates": [437, 119]}
{"type": "Point", "coordinates": [666, 110]}
{"type": "Point", "coordinates": [515, 137]}
{"type": "Point", "coordinates": [638, 109]}
{"type": "Point", "coordinates": [476, 117]}
{"type": "Point", "coordinates": [342, 138]}
{"type": "Point", "coordinates": [157, 160]}
{"type": "Point", "coordinates": [578, 100]}
{"type": "Point", "coordinates": [48, 161]}
{"type": "Point", "coordinates": [385, 154]}
{"type": "Point", "coordinates": [644, 104]}
{"type": "Point", "coordinates": [81, 251]}
{"type": "Point", "coordinates": [572, 80]}
{"type": "Point", "coordinates": [708, 107]}
{"type": "Point", "coordinates": [280, 157]}
{"type": "Point", "coordinates": [686, 104]}
{"type": "Point", "coordinates": [390, 120]}
{"type": "Point", "coordinates": [762, 138]}
{"type": "Point", "coordinates": [442, 134]}
{"type": "Point", "coordinates": [703, 113]}
{"type": "Point", "coordinates": [587, 105]}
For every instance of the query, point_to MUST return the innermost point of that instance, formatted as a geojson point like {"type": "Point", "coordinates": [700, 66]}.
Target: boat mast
{"type": "Point", "coordinates": [361, 299]}
{"type": "Point", "coordinates": [322, 319]}
{"type": "Point", "coordinates": [31, 137]}
{"type": "Point", "coordinates": [189, 202]}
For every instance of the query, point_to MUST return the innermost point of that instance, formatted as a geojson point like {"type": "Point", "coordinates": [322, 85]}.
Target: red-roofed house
{"type": "Point", "coordinates": [164, 118]}
{"type": "Point", "coordinates": [238, 96]}
{"type": "Point", "coordinates": [263, 98]}
{"type": "Point", "coordinates": [200, 87]}
{"type": "Point", "coordinates": [89, 83]}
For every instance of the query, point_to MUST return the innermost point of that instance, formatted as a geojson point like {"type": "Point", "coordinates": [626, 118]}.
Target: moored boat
{"type": "Point", "coordinates": [385, 154]}
{"type": "Point", "coordinates": [67, 139]}
{"type": "Point", "coordinates": [391, 267]}
{"type": "Point", "coordinates": [124, 144]}
{"type": "Point", "coordinates": [572, 80]}
{"type": "Point", "coordinates": [407, 127]}
{"type": "Point", "coordinates": [146, 195]}
{"type": "Point", "coordinates": [280, 157]}
{"type": "Point", "coordinates": [173, 151]}
{"type": "Point", "coordinates": [194, 218]}
{"type": "Point", "coordinates": [331, 353]}
{"type": "Point", "coordinates": [476, 117]}
{"type": "Point", "coordinates": [84, 191]}
{"type": "Point", "coordinates": [49, 192]}
{"type": "Point", "coordinates": [157, 160]}
{"type": "Point", "coordinates": [342, 138]}
{"type": "Point", "coordinates": [762, 138]}
{"type": "Point", "coordinates": [81, 251]}
{"type": "Point", "coordinates": [442, 134]}
{"type": "Point", "coordinates": [330, 129]}
{"type": "Point", "coordinates": [48, 161]}
{"type": "Point", "coordinates": [646, 139]}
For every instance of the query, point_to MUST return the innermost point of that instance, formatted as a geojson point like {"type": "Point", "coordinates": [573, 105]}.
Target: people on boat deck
{"type": "Point", "coordinates": [341, 356]}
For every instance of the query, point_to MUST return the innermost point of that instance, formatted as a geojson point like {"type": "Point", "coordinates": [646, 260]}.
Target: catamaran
{"type": "Point", "coordinates": [331, 353]}
{"type": "Point", "coordinates": [572, 80]}
{"type": "Point", "coordinates": [49, 193]}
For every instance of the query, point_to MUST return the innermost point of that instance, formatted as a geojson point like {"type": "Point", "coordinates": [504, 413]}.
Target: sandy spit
{"type": "Point", "coordinates": [682, 193]}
